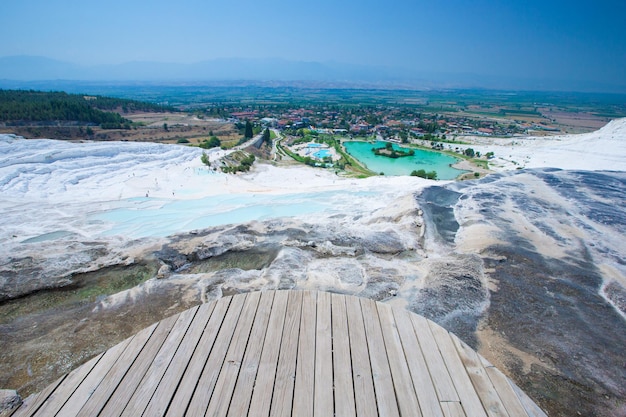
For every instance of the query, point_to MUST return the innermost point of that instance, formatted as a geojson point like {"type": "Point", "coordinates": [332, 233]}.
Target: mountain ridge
{"type": "Point", "coordinates": [26, 68]}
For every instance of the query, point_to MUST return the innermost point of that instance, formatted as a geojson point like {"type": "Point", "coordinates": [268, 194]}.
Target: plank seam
{"type": "Point", "coordinates": [167, 409]}
{"type": "Point", "coordinates": [221, 367]}
{"type": "Point", "coordinates": [169, 363]}
{"type": "Point", "coordinates": [39, 402]}
{"type": "Point", "coordinates": [243, 356]}
{"type": "Point", "coordinates": [121, 380]}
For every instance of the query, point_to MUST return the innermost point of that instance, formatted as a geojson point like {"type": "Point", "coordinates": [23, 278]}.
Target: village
{"type": "Point", "coordinates": [395, 124]}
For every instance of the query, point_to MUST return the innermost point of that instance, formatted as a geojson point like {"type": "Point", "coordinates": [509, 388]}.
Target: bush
{"type": "Point", "coordinates": [432, 175]}
{"type": "Point", "coordinates": [205, 159]}
{"type": "Point", "coordinates": [182, 140]}
{"type": "Point", "coordinates": [212, 142]}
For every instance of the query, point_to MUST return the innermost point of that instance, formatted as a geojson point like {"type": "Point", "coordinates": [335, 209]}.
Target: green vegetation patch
{"type": "Point", "coordinates": [390, 152]}
{"type": "Point", "coordinates": [431, 175]}
{"type": "Point", "coordinates": [21, 106]}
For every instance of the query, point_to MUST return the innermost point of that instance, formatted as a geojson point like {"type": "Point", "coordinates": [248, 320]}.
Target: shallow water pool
{"type": "Point", "coordinates": [426, 160]}
{"type": "Point", "coordinates": [144, 217]}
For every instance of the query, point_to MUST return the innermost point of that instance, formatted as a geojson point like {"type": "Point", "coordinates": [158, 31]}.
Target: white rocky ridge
{"type": "Point", "coordinates": [96, 198]}
{"type": "Point", "coordinates": [604, 149]}
{"type": "Point", "coordinates": [57, 193]}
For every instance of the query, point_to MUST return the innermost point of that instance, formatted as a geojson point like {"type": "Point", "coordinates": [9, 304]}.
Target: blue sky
{"type": "Point", "coordinates": [546, 39]}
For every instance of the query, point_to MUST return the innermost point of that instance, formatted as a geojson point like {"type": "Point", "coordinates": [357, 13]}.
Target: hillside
{"type": "Point", "coordinates": [23, 107]}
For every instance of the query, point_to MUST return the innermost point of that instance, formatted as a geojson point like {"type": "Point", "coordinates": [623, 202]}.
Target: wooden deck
{"type": "Point", "coordinates": [286, 353]}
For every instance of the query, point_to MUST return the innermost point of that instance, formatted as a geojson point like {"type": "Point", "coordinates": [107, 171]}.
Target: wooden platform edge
{"type": "Point", "coordinates": [415, 348]}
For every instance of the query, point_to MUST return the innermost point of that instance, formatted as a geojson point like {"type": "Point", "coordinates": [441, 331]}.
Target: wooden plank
{"type": "Point", "coordinates": [84, 391]}
{"type": "Point", "coordinates": [485, 389]}
{"type": "Point", "coordinates": [189, 379]}
{"type": "Point", "coordinates": [364, 395]}
{"type": "Point", "coordinates": [405, 393]}
{"type": "Point", "coordinates": [323, 395]}
{"type": "Point", "coordinates": [512, 396]}
{"type": "Point", "coordinates": [381, 372]}
{"type": "Point", "coordinates": [154, 401]}
{"type": "Point", "coordinates": [262, 394]}
{"type": "Point", "coordinates": [33, 402]}
{"type": "Point", "coordinates": [422, 382]}
{"type": "Point", "coordinates": [342, 367]}
{"type": "Point", "coordinates": [225, 385]}
{"type": "Point", "coordinates": [119, 384]}
{"type": "Point", "coordinates": [484, 361]}
{"type": "Point", "coordinates": [203, 390]}
{"type": "Point", "coordinates": [287, 353]}
{"type": "Point", "coordinates": [461, 380]}
{"type": "Point", "coordinates": [304, 392]}
{"type": "Point", "coordinates": [60, 395]}
{"type": "Point", "coordinates": [509, 398]}
{"type": "Point", "coordinates": [282, 398]}
{"type": "Point", "coordinates": [135, 392]}
{"type": "Point", "coordinates": [252, 358]}
{"type": "Point", "coordinates": [452, 409]}
{"type": "Point", "coordinates": [530, 406]}
{"type": "Point", "coordinates": [436, 365]}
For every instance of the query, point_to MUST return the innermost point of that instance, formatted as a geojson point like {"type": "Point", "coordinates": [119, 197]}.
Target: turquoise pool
{"type": "Point", "coordinates": [426, 160]}
{"type": "Point", "coordinates": [321, 154]}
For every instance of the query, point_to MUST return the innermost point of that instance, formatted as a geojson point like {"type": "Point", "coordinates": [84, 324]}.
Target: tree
{"type": "Point", "coordinates": [267, 137]}
{"type": "Point", "coordinates": [470, 152]}
{"type": "Point", "coordinates": [205, 159]}
{"type": "Point", "coordinates": [165, 126]}
{"type": "Point", "coordinates": [248, 133]}
{"type": "Point", "coordinates": [432, 175]}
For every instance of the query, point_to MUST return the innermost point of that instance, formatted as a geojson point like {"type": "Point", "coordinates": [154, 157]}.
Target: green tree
{"type": "Point", "coordinates": [205, 159]}
{"type": "Point", "coordinates": [248, 133]}
{"type": "Point", "coordinates": [266, 137]}
{"type": "Point", "coordinates": [470, 152]}
{"type": "Point", "coordinates": [432, 175]}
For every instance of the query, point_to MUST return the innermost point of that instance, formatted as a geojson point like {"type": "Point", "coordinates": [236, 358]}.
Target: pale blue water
{"type": "Point", "coordinates": [143, 217]}
{"type": "Point", "coordinates": [426, 160]}
{"type": "Point", "coordinates": [321, 154]}
{"type": "Point", "coordinates": [48, 236]}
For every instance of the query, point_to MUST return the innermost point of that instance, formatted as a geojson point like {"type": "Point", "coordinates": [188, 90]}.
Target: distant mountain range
{"type": "Point", "coordinates": [25, 69]}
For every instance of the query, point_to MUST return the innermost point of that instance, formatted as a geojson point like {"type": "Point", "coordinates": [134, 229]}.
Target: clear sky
{"type": "Point", "coordinates": [545, 39]}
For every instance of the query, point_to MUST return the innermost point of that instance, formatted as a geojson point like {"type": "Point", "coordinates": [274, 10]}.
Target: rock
{"type": "Point", "coordinates": [327, 248]}
{"type": "Point", "coordinates": [221, 244]}
{"type": "Point", "coordinates": [164, 271]}
{"type": "Point", "coordinates": [9, 400]}
{"type": "Point", "coordinates": [289, 268]}
{"type": "Point", "coordinates": [454, 294]}
{"type": "Point", "coordinates": [337, 275]}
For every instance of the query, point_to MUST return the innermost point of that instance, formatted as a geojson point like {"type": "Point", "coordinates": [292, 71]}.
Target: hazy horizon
{"type": "Point", "coordinates": [573, 44]}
